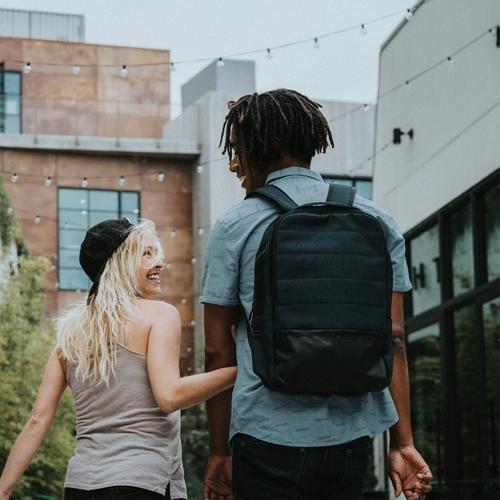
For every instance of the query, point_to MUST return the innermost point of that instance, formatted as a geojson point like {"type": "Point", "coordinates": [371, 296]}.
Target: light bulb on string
{"type": "Point", "coordinates": [366, 107]}
{"type": "Point", "coordinates": [316, 43]}
{"type": "Point", "coordinates": [183, 301]}
{"type": "Point", "coordinates": [450, 61]}
{"type": "Point", "coordinates": [193, 322]}
{"type": "Point", "coordinates": [66, 225]}
{"type": "Point", "coordinates": [124, 70]}
{"type": "Point", "coordinates": [173, 233]}
{"type": "Point", "coordinates": [220, 62]}
{"type": "Point", "coordinates": [199, 169]}
{"type": "Point", "coordinates": [83, 201]}
{"type": "Point", "coordinates": [13, 178]}
{"type": "Point", "coordinates": [409, 14]}
{"type": "Point", "coordinates": [85, 182]}
{"type": "Point", "coordinates": [200, 231]}
{"type": "Point", "coordinates": [172, 66]}
{"type": "Point", "coordinates": [122, 180]}
{"type": "Point", "coordinates": [408, 84]}
{"type": "Point", "coordinates": [269, 54]}
{"type": "Point", "coordinates": [84, 212]}
{"type": "Point", "coordinates": [38, 219]}
{"type": "Point", "coordinates": [9, 210]}
{"type": "Point", "coordinates": [160, 177]}
{"type": "Point", "coordinates": [363, 28]}
{"type": "Point", "coordinates": [136, 211]}
{"type": "Point", "coordinates": [27, 68]}
{"type": "Point", "coordinates": [193, 260]}
{"type": "Point", "coordinates": [48, 181]}
{"type": "Point", "coordinates": [76, 69]}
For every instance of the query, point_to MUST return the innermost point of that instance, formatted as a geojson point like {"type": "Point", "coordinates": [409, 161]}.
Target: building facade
{"type": "Point", "coordinates": [81, 142]}
{"type": "Point", "coordinates": [439, 176]}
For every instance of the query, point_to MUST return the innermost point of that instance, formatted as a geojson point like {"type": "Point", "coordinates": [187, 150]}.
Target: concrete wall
{"type": "Point", "coordinates": [414, 179]}
{"type": "Point", "coordinates": [167, 203]}
{"type": "Point", "coordinates": [96, 102]}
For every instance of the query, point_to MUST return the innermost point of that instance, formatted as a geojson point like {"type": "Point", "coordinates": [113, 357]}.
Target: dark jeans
{"type": "Point", "coordinates": [114, 493]}
{"type": "Point", "coordinates": [268, 471]}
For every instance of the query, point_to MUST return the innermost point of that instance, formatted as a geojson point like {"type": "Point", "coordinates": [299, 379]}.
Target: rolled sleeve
{"type": "Point", "coordinates": [220, 280]}
{"type": "Point", "coordinates": [397, 249]}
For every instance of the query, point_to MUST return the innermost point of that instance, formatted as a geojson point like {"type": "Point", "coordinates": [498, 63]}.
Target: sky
{"type": "Point", "coordinates": [343, 68]}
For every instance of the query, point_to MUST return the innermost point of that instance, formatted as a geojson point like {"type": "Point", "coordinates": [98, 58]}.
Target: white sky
{"type": "Point", "coordinates": [344, 68]}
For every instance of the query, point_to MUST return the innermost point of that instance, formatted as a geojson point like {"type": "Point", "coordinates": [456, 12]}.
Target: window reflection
{"type": "Point", "coordinates": [425, 270]}
{"type": "Point", "coordinates": [426, 396]}
{"type": "Point", "coordinates": [461, 251]}
{"type": "Point", "coordinates": [468, 389]}
{"type": "Point", "coordinates": [492, 225]}
{"type": "Point", "coordinates": [491, 325]}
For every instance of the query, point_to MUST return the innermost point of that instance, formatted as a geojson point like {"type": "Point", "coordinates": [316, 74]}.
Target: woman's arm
{"type": "Point", "coordinates": [33, 433]}
{"type": "Point", "coordinates": [170, 391]}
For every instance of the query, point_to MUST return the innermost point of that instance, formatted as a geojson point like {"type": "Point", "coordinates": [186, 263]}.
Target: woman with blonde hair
{"type": "Point", "coordinates": [118, 351]}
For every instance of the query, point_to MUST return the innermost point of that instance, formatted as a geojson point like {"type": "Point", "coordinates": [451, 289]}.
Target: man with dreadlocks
{"type": "Point", "coordinates": [285, 445]}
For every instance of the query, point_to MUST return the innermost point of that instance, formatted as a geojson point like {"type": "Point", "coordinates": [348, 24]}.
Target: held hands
{"type": "Point", "coordinates": [409, 473]}
{"type": "Point", "coordinates": [218, 478]}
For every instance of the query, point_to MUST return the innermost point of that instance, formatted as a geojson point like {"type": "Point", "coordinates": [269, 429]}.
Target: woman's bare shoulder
{"type": "Point", "coordinates": [157, 310]}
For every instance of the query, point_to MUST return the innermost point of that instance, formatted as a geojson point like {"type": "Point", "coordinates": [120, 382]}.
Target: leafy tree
{"type": "Point", "coordinates": [26, 341]}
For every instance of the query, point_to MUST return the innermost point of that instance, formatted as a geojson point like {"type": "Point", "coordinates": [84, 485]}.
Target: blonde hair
{"type": "Point", "coordinates": [87, 335]}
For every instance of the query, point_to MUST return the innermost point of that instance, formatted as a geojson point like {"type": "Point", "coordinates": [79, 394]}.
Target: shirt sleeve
{"type": "Point", "coordinates": [397, 249]}
{"type": "Point", "coordinates": [221, 272]}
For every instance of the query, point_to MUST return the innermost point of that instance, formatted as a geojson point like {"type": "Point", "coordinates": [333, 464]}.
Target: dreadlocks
{"type": "Point", "coordinates": [272, 125]}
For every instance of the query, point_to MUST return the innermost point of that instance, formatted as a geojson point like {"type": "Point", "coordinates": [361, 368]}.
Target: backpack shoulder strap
{"type": "Point", "coordinates": [341, 194]}
{"type": "Point", "coordinates": [274, 194]}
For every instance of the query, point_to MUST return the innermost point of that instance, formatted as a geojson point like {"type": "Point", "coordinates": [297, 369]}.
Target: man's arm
{"type": "Point", "coordinates": [408, 471]}
{"type": "Point", "coordinates": [220, 351]}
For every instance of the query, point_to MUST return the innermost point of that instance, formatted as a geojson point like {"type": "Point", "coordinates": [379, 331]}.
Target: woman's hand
{"type": "Point", "coordinates": [409, 473]}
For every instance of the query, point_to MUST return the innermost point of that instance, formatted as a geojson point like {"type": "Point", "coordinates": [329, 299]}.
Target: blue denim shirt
{"type": "Point", "coordinates": [276, 417]}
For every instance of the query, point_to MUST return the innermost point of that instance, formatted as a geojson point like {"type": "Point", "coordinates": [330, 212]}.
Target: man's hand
{"type": "Point", "coordinates": [409, 473]}
{"type": "Point", "coordinates": [218, 478]}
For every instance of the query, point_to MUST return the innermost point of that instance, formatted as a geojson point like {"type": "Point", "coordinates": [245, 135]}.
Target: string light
{"type": "Point", "coordinates": [13, 178]}
{"type": "Point", "coordinates": [220, 62]}
{"type": "Point", "coordinates": [172, 66]}
{"type": "Point", "coordinates": [136, 211]}
{"type": "Point", "coordinates": [76, 69]}
{"type": "Point", "coordinates": [193, 260]}
{"type": "Point", "coordinates": [10, 210]}
{"type": "Point", "coordinates": [183, 301]}
{"type": "Point", "coordinates": [193, 322]}
{"type": "Point", "coordinates": [199, 169]}
{"type": "Point", "coordinates": [366, 106]}
{"type": "Point", "coordinates": [316, 43]}
{"type": "Point", "coordinates": [124, 71]}
{"type": "Point", "coordinates": [85, 182]}
{"type": "Point", "coordinates": [48, 181]}
{"type": "Point", "coordinates": [363, 29]}
{"type": "Point", "coordinates": [160, 177]}
{"type": "Point", "coordinates": [269, 54]}
{"type": "Point", "coordinates": [409, 14]}
{"type": "Point", "coordinates": [84, 212]}
{"type": "Point", "coordinates": [173, 233]}
{"type": "Point", "coordinates": [27, 68]}
{"type": "Point", "coordinates": [38, 219]}
{"type": "Point", "coordinates": [450, 60]}
{"type": "Point", "coordinates": [122, 180]}
{"type": "Point", "coordinates": [200, 231]}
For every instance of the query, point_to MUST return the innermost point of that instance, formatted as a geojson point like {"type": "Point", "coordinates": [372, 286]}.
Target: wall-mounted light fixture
{"type": "Point", "coordinates": [397, 133]}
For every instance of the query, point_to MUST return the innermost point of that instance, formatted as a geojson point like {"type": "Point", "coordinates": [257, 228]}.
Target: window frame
{"type": "Point", "coordinates": [353, 180]}
{"type": "Point", "coordinates": [4, 94]}
{"type": "Point", "coordinates": [87, 190]}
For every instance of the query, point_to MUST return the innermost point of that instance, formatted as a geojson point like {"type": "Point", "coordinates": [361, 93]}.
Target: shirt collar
{"type": "Point", "coordinates": [288, 171]}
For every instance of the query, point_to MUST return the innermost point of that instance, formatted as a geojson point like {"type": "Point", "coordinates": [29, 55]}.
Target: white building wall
{"type": "Point", "coordinates": [416, 178]}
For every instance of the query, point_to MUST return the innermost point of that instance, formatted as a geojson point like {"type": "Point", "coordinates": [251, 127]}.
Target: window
{"type": "Point", "coordinates": [425, 270]}
{"type": "Point", "coordinates": [79, 209]}
{"type": "Point", "coordinates": [424, 361]}
{"type": "Point", "coordinates": [10, 90]}
{"type": "Point", "coordinates": [453, 341]}
{"type": "Point", "coordinates": [492, 228]}
{"type": "Point", "coordinates": [462, 250]}
{"type": "Point", "coordinates": [363, 185]}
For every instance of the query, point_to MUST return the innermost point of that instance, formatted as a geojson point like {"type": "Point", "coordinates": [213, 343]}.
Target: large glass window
{"type": "Point", "coordinates": [80, 209]}
{"type": "Point", "coordinates": [425, 270]}
{"type": "Point", "coordinates": [10, 116]}
{"type": "Point", "coordinates": [462, 258]}
{"type": "Point", "coordinates": [424, 360]}
{"type": "Point", "coordinates": [363, 186]}
{"type": "Point", "coordinates": [491, 325]}
{"type": "Point", "coordinates": [492, 226]}
{"type": "Point", "coordinates": [468, 389]}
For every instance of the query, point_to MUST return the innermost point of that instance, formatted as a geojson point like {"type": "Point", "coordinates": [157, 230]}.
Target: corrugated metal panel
{"type": "Point", "coordinates": [42, 25]}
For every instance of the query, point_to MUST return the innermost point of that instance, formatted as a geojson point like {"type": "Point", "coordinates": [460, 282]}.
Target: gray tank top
{"type": "Point", "coordinates": [123, 437]}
